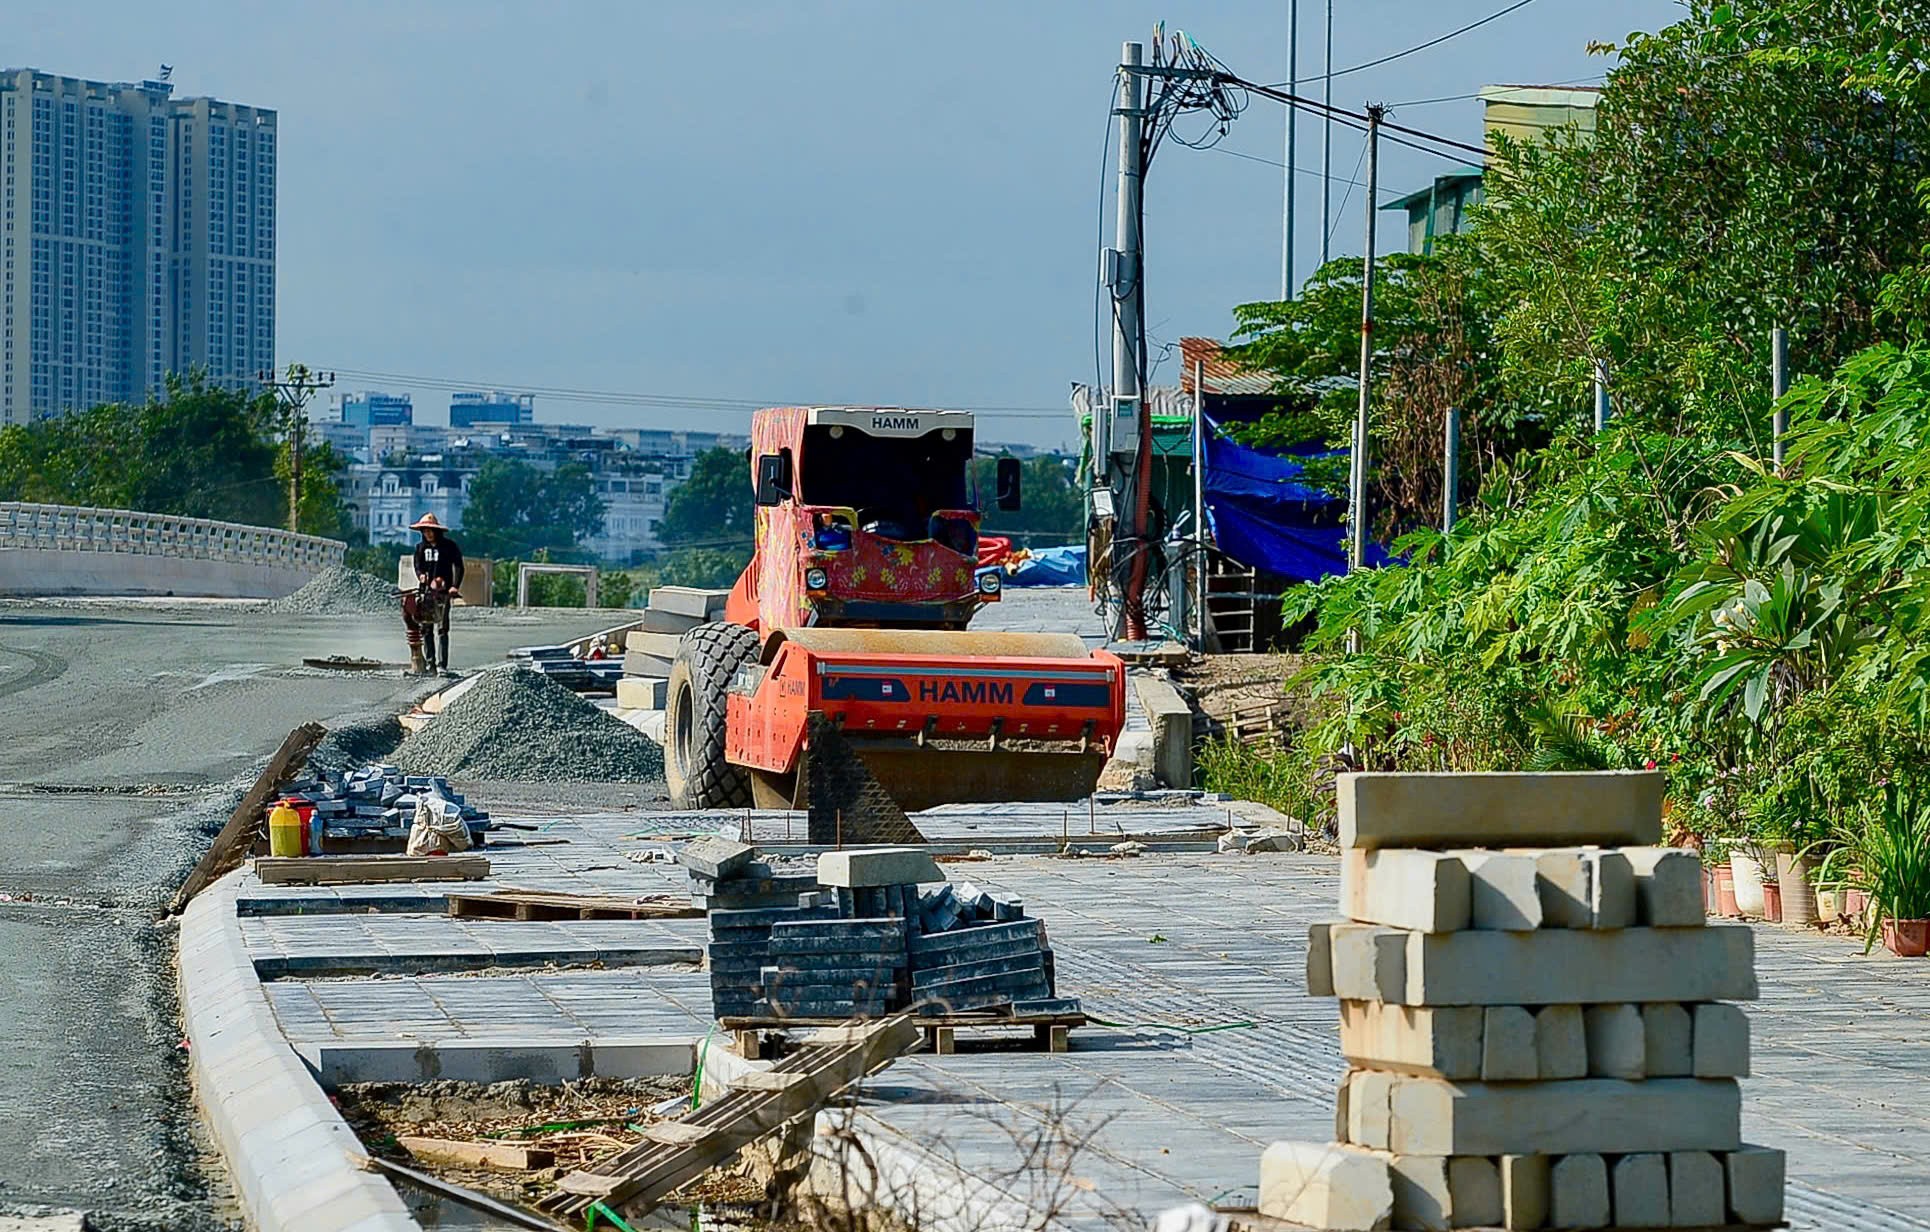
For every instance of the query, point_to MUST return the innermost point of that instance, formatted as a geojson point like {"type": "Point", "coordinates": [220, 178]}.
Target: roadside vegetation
{"type": "Point", "coordinates": [1658, 594]}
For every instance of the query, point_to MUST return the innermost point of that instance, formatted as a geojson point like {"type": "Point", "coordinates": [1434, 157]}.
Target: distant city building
{"type": "Point", "coordinates": [384, 500]}
{"type": "Point", "coordinates": [1522, 113]}
{"type": "Point", "coordinates": [349, 440]}
{"type": "Point", "coordinates": [137, 238]}
{"type": "Point", "coordinates": [495, 407]}
{"type": "Point", "coordinates": [373, 410]}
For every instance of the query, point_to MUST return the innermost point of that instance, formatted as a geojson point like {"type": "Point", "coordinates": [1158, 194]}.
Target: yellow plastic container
{"type": "Point", "coordinates": [284, 831]}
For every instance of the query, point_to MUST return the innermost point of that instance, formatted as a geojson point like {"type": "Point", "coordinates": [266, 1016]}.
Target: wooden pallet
{"type": "Point", "coordinates": [1050, 1032]}
{"type": "Point", "coordinates": [758, 1104]}
{"type": "Point", "coordinates": [510, 904]}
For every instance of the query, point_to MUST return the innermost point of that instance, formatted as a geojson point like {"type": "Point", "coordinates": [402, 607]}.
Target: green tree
{"type": "Point", "coordinates": [194, 449]}
{"type": "Point", "coordinates": [714, 506]}
{"type": "Point", "coordinates": [323, 511]}
{"type": "Point", "coordinates": [1052, 510]}
{"type": "Point", "coordinates": [516, 510]}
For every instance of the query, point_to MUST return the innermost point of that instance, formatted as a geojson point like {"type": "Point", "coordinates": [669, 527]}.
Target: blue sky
{"type": "Point", "coordinates": [869, 201]}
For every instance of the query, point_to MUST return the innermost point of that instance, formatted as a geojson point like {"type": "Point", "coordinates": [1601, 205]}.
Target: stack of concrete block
{"type": "Point", "coordinates": [727, 875]}
{"type": "Point", "coordinates": [884, 933]}
{"type": "Point", "coordinates": [650, 646]}
{"type": "Point", "coordinates": [577, 675]}
{"type": "Point", "coordinates": [377, 801]}
{"type": "Point", "coordinates": [1538, 1036]}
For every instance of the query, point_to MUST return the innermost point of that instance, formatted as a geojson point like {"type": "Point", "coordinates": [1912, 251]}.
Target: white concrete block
{"type": "Point", "coordinates": [1325, 1185]}
{"type": "Point", "coordinates": [1421, 1197]}
{"type": "Point", "coordinates": [1667, 1041]}
{"type": "Point", "coordinates": [1439, 1041]}
{"type": "Point", "coordinates": [1639, 1189]}
{"type": "Point", "coordinates": [1474, 1182]}
{"type": "Point", "coordinates": [1668, 886]}
{"type": "Point", "coordinates": [1696, 1190]}
{"type": "Point", "coordinates": [1585, 887]}
{"type": "Point", "coordinates": [1501, 890]}
{"type": "Point", "coordinates": [1404, 888]}
{"type": "Point", "coordinates": [877, 866]}
{"type": "Point", "coordinates": [1721, 1041]}
{"type": "Point", "coordinates": [1429, 1116]}
{"type": "Point", "coordinates": [1578, 1192]}
{"type": "Point", "coordinates": [1497, 810]}
{"type": "Point", "coordinates": [1320, 960]}
{"type": "Point", "coordinates": [1553, 966]}
{"type": "Point", "coordinates": [1367, 1102]}
{"type": "Point", "coordinates": [1508, 1044]}
{"type": "Point", "coordinates": [1524, 1190]}
{"type": "Point", "coordinates": [1561, 1042]}
{"type": "Point", "coordinates": [1615, 1041]}
{"type": "Point", "coordinates": [642, 693]}
{"type": "Point", "coordinates": [1756, 1177]}
{"type": "Point", "coordinates": [1370, 962]}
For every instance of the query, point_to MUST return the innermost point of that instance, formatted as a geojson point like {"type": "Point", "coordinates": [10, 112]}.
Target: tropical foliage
{"type": "Point", "coordinates": [1661, 593]}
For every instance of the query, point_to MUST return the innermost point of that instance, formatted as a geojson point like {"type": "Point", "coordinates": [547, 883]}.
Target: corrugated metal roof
{"type": "Point", "coordinates": [1221, 374]}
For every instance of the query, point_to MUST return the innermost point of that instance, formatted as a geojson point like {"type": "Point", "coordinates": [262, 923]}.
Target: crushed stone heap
{"type": "Point", "coordinates": [1537, 1035]}
{"type": "Point", "coordinates": [337, 591]}
{"type": "Point", "coordinates": [515, 725]}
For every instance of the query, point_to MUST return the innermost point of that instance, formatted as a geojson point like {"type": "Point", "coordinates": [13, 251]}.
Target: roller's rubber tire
{"type": "Point", "coordinates": [694, 766]}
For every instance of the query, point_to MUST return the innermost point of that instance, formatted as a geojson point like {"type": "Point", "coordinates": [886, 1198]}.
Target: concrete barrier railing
{"type": "Point", "coordinates": [84, 529]}
{"type": "Point", "coordinates": [216, 558]}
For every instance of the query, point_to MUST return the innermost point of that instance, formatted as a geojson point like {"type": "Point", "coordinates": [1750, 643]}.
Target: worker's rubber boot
{"type": "Point", "coordinates": [429, 652]}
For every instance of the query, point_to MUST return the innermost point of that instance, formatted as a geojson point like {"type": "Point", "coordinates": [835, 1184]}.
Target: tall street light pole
{"type": "Point", "coordinates": [1293, 125]}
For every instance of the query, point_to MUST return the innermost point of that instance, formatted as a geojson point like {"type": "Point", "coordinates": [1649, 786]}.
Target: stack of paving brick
{"type": "Point", "coordinates": [1539, 1035]}
{"type": "Point", "coordinates": [377, 801]}
{"type": "Point", "coordinates": [727, 874]}
{"type": "Point", "coordinates": [870, 941]}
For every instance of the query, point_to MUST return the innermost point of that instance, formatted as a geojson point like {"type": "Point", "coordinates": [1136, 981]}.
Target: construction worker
{"type": "Point", "coordinates": [425, 611]}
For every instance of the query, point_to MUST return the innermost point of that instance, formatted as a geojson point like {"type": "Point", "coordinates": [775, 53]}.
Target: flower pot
{"type": "Point", "coordinates": [1792, 879]}
{"type": "Point", "coordinates": [1749, 883]}
{"type": "Point", "coordinates": [1829, 906]}
{"type": "Point", "coordinates": [1856, 907]}
{"type": "Point", "coordinates": [1772, 902]}
{"type": "Point", "coordinates": [1907, 938]}
{"type": "Point", "coordinates": [1726, 892]}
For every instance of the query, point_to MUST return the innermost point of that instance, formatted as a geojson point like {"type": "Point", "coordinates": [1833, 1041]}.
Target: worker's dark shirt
{"type": "Point", "coordinates": [441, 559]}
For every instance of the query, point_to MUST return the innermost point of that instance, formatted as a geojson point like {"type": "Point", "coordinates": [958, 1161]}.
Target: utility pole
{"type": "Point", "coordinates": [1199, 499]}
{"type": "Point", "coordinates": [1778, 386]}
{"type": "Point", "coordinates": [292, 394]}
{"type": "Point", "coordinates": [1450, 468]}
{"type": "Point", "coordinates": [1293, 127]}
{"type": "Point", "coordinates": [1128, 335]}
{"type": "Point", "coordinates": [1601, 396]}
{"type": "Point", "coordinates": [1327, 141]}
{"type": "Point", "coordinates": [1357, 477]}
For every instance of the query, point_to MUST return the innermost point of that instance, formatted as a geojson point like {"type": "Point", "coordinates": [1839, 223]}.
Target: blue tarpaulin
{"type": "Point", "coordinates": [1051, 567]}
{"type": "Point", "coordinates": [1263, 516]}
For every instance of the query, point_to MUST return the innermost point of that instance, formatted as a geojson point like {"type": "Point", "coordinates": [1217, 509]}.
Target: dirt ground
{"type": "Point", "coordinates": [579, 1122]}
{"type": "Point", "coordinates": [1224, 685]}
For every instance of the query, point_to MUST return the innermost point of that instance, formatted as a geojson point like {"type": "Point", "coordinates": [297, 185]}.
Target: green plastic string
{"type": "Point", "coordinates": [697, 1076]}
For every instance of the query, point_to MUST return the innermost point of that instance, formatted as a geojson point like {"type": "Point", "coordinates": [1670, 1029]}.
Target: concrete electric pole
{"type": "Point", "coordinates": [1327, 141]}
{"type": "Point", "coordinates": [1778, 386]}
{"type": "Point", "coordinates": [1129, 338]}
{"type": "Point", "coordinates": [292, 394]}
{"type": "Point", "coordinates": [1293, 128]}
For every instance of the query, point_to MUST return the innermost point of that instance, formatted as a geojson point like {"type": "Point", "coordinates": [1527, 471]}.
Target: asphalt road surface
{"type": "Point", "coordinates": [127, 731]}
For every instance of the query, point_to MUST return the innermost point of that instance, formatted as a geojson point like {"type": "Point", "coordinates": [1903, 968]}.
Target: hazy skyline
{"type": "Point", "coordinates": [859, 201]}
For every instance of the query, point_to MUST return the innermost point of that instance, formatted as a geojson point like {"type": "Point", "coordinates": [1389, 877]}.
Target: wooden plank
{"type": "Point", "coordinates": [676, 1133]}
{"type": "Point", "coordinates": [767, 1080]}
{"type": "Point", "coordinates": [230, 846]}
{"type": "Point", "coordinates": [516, 904]}
{"type": "Point", "coordinates": [744, 1114]}
{"type": "Point", "coordinates": [457, 1193]}
{"type": "Point", "coordinates": [343, 870]}
{"type": "Point", "coordinates": [494, 1156]}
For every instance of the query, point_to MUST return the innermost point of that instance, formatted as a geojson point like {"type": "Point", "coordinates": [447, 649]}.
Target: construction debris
{"type": "Point", "coordinates": [338, 591]}
{"type": "Point", "coordinates": [579, 675]}
{"type": "Point", "coordinates": [1538, 1035]}
{"type": "Point", "coordinates": [377, 800]}
{"type": "Point", "coordinates": [230, 846]}
{"type": "Point", "coordinates": [517, 725]}
{"type": "Point", "coordinates": [877, 931]}
{"type": "Point", "coordinates": [760, 1103]}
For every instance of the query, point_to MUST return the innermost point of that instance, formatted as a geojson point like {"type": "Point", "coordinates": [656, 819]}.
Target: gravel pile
{"type": "Point", "coordinates": [516, 725]}
{"type": "Point", "coordinates": [336, 591]}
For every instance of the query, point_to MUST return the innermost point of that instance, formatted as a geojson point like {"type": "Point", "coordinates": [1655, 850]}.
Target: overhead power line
{"type": "Point", "coordinates": [603, 397]}
{"type": "Point", "coordinates": [1433, 42]}
{"type": "Point", "coordinates": [1358, 121]}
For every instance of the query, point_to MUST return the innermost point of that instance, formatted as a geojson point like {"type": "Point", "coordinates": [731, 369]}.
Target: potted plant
{"type": "Point", "coordinates": [1884, 852]}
